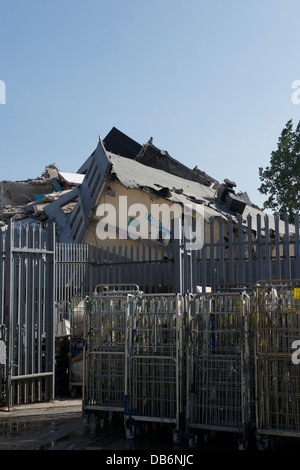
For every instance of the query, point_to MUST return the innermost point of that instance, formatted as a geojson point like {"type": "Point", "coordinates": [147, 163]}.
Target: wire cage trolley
{"type": "Point", "coordinates": [77, 332]}
{"type": "Point", "coordinates": [104, 351]}
{"type": "Point", "coordinates": [218, 366]}
{"type": "Point", "coordinates": [277, 360]}
{"type": "Point", "coordinates": [154, 363]}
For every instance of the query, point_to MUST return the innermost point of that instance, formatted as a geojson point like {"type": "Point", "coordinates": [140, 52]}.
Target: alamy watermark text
{"type": "Point", "coordinates": [296, 93]}
{"type": "Point", "coordinates": [2, 92]}
{"type": "Point", "coordinates": [162, 222]}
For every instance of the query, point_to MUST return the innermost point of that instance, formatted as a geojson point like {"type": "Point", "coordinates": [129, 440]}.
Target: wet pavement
{"type": "Point", "coordinates": [36, 426]}
{"type": "Point", "coordinates": [60, 426]}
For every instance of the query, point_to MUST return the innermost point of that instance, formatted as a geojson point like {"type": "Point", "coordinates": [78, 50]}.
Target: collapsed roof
{"type": "Point", "coordinates": [120, 144]}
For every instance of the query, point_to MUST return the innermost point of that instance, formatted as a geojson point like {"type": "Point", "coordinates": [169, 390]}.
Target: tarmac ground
{"type": "Point", "coordinates": [59, 425]}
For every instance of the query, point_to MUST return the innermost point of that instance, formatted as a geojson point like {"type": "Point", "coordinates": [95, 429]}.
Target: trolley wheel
{"type": "Point", "coordinates": [242, 445]}
{"type": "Point", "coordinates": [176, 436]}
{"type": "Point", "coordinates": [263, 444]}
{"type": "Point", "coordinates": [100, 420]}
{"type": "Point", "coordinates": [129, 430]}
{"type": "Point", "coordinates": [140, 430]}
{"type": "Point", "coordinates": [86, 420]}
{"type": "Point", "coordinates": [193, 440]}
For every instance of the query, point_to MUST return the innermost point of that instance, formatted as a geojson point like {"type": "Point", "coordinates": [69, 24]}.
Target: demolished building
{"type": "Point", "coordinates": [119, 166]}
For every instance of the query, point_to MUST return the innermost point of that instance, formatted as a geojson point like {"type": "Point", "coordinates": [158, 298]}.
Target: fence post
{"type": "Point", "coordinates": [296, 247]}
{"type": "Point", "coordinates": [286, 248]}
{"type": "Point", "coordinates": [277, 248]}
{"type": "Point", "coordinates": [52, 282]}
{"type": "Point", "coordinates": [250, 250]}
{"type": "Point", "coordinates": [177, 255]}
{"type": "Point", "coordinates": [9, 311]}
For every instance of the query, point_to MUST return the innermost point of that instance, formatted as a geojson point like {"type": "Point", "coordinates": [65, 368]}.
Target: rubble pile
{"type": "Point", "coordinates": [27, 199]}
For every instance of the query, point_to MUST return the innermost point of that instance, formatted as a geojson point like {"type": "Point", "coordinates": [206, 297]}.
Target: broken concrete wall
{"type": "Point", "coordinates": [17, 193]}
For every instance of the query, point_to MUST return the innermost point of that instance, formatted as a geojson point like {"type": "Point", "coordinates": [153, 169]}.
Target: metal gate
{"type": "Point", "coordinates": [277, 368]}
{"type": "Point", "coordinates": [154, 362]}
{"type": "Point", "coordinates": [218, 372]}
{"type": "Point", "coordinates": [29, 312]}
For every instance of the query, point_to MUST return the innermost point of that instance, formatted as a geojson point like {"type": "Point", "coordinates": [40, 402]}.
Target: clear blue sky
{"type": "Point", "coordinates": [209, 80]}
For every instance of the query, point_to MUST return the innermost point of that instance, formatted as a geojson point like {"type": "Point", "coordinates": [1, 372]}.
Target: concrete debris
{"type": "Point", "coordinates": [71, 178]}
{"type": "Point", "coordinates": [28, 199]}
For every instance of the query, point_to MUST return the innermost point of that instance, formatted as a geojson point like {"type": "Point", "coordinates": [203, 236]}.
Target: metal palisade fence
{"type": "Point", "coordinates": [239, 253]}
{"type": "Point", "coordinates": [232, 254]}
{"type": "Point", "coordinates": [39, 277]}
